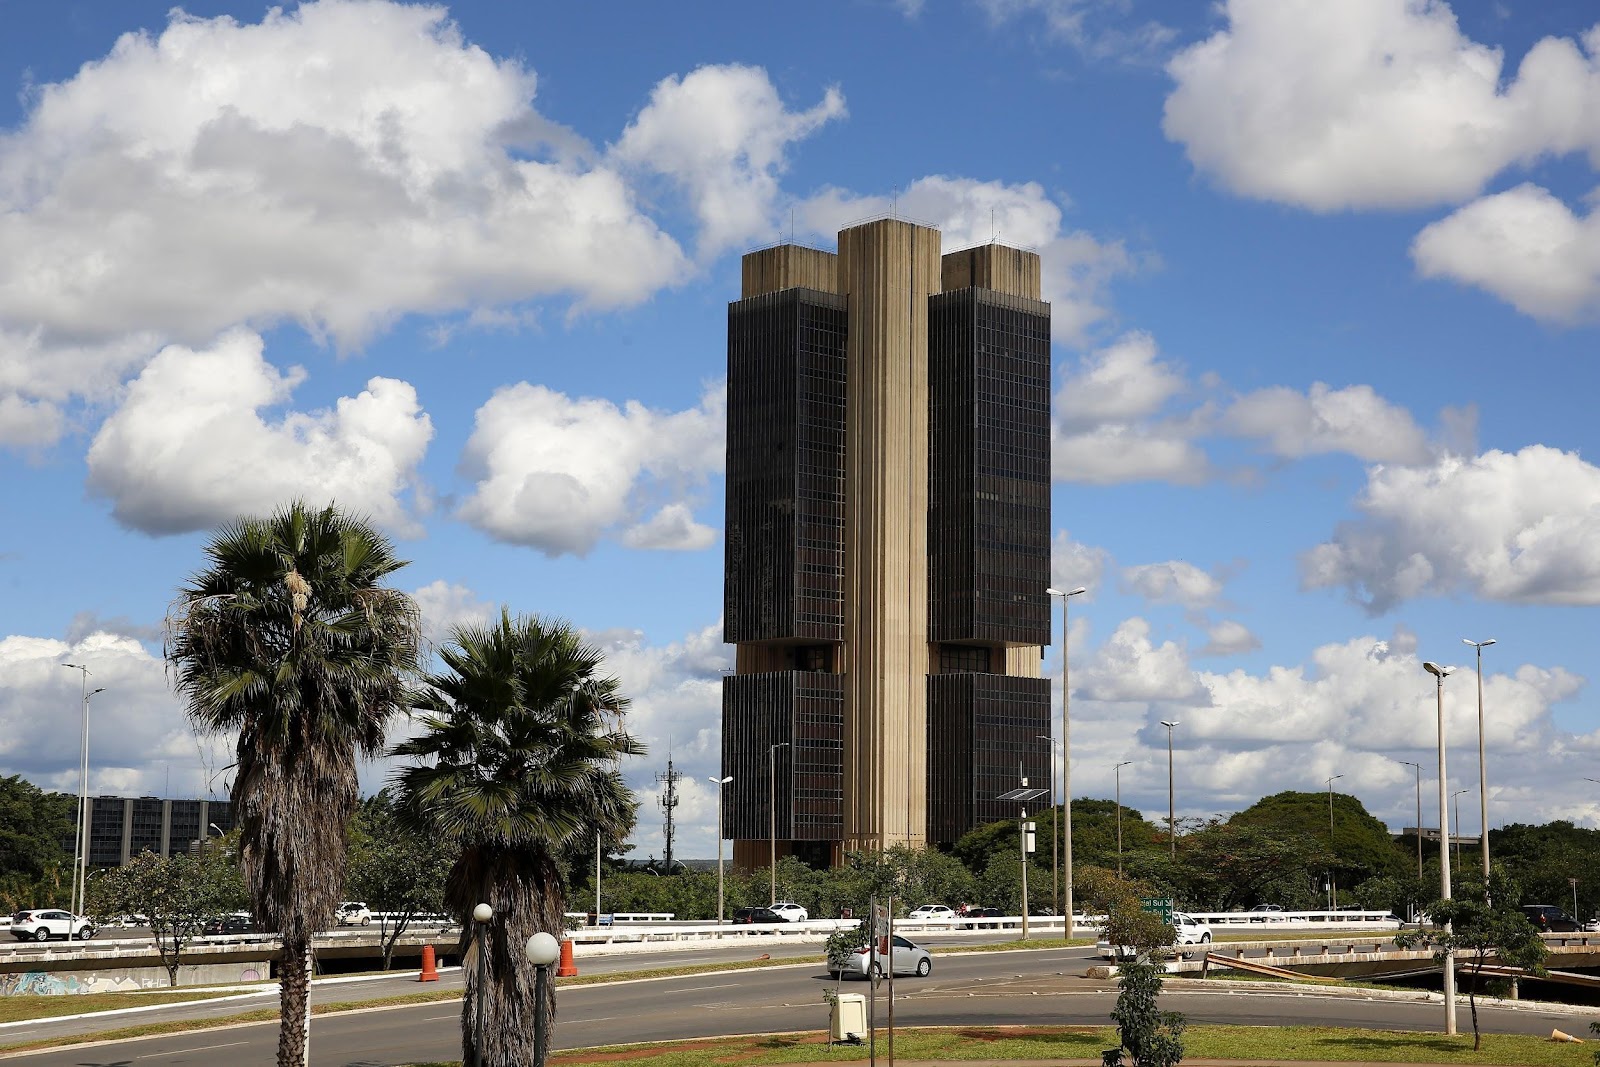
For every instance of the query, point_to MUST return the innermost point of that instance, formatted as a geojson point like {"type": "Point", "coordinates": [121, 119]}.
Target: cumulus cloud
{"type": "Point", "coordinates": [1228, 637]}
{"type": "Point", "coordinates": [1077, 267]}
{"type": "Point", "coordinates": [672, 528]}
{"type": "Point", "coordinates": [1130, 667]}
{"type": "Point", "coordinates": [1112, 419]}
{"type": "Point", "coordinates": [1073, 564]}
{"type": "Point", "coordinates": [721, 133]}
{"type": "Point", "coordinates": [1522, 527]}
{"type": "Point", "coordinates": [1524, 246]}
{"type": "Point", "coordinates": [1173, 582]}
{"type": "Point", "coordinates": [1354, 420]}
{"type": "Point", "coordinates": [556, 473]}
{"type": "Point", "coordinates": [337, 164]}
{"type": "Point", "coordinates": [1371, 103]}
{"type": "Point", "coordinates": [189, 447]}
{"type": "Point", "coordinates": [446, 605]}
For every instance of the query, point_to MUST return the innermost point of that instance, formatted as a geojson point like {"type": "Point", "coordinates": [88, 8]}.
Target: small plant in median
{"type": "Point", "coordinates": [1148, 1034]}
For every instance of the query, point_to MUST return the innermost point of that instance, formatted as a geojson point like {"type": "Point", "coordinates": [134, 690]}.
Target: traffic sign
{"type": "Point", "coordinates": [1161, 906]}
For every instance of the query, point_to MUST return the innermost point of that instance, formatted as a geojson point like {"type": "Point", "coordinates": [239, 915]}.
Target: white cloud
{"type": "Point", "coordinates": [446, 605]}
{"type": "Point", "coordinates": [557, 474]}
{"type": "Point", "coordinates": [27, 422]}
{"type": "Point", "coordinates": [1173, 582]}
{"type": "Point", "coordinates": [189, 447]}
{"type": "Point", "coordinates": [1524, 246]}
{"type": "Point", "coordinates": [1353, 420]}
{"type": "Point", "coordinates": [672, 528]}
{"type": "Point", "coordinates": [1088, 25]}
{"type": "Point", "coordinates": [1129, 667]}
{"type": "Point", "coordinates": [1073, 564]}
{"type": "Point", "coordinates": [1521, 527]}
{"type": "Point", "coordinates": [721, 133]}
{"type": "Point", "coordinates": [338, 164]}
{"type": "Point", "coordinates": [1229, 637]}
{"type": "Point", "coordinates": [1371, 103]}
{"type": "Point", "coordinates": [1077, 268]}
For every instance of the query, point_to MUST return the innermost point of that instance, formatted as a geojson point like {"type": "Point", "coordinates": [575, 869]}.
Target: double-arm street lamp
{"type": "Point", "coordinates": [1117, 770]}
{"type": "Point", "coordinates": [772, 822]}
{"type": "Point", "coordinates": [1066, 752]}
{"type": "Point", "coordinates": [1440, 674]}
{"type": "Point", "coordinates": [1483, 776]}
{"type": "Point", "coordinates": [80, 879]}
{"type": "Point", "coordinates": [1172, 811]}
{"type": "Point", "coordinates": [719, 783]}
{"type": "Point", "coordinates": [1333, 888]}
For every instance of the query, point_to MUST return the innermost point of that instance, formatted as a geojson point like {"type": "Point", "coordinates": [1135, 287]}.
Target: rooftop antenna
{"type": "Point", "coordinates": [994, 231]}
{"type": "Point", "coordinates": [894, 204]}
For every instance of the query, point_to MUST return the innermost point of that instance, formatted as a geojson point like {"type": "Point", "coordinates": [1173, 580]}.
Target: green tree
{"type": "Point", "coordinates": [179, 894]}
{"type": "Point", "coordinates": [515, 766]}
{"type": "Point", "coordinates": [1361, 846]}
{"type": "Point", "coordinates": [289, 639]}
{"type": "Point", "coordinates": [398, 872]}
{"type": "Point", "coordinates": [36, 834]}
{"type": "Point", "coordinates": [1148, 1034]}
{"type": "Point", "coordinates": [1542, 858]}
{"type": "Point", "coordinates": [1226, 866]}
{"type": "Point", "coordinates": [1483, 926]}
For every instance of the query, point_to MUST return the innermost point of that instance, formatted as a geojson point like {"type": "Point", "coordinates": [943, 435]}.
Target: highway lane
{"type": "Point", "coordinates": [1036, 987]}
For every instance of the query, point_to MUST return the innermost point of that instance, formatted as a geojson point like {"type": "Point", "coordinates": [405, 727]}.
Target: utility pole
{"type": "Point", "coordinates": [669, 803]}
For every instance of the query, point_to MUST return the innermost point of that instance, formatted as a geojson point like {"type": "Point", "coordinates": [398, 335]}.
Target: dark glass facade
{"type": "Point", "coordinates": [784, 550]}
{"type": "Point", "coordinates": [122, 827]}
{"type": "Point", "coordinates": [983, 737]}
{"type": "Point", "coordinates": [989, 478]}
{"type": "Point", "coordinates": [806, 710]}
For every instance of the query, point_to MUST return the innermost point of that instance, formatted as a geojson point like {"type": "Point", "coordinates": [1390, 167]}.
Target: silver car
{"type": "Point", "coordinates": [908, 959]}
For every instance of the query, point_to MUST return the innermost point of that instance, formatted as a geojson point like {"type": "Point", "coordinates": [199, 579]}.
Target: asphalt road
{"type": "Point", "coordinates": [1036, 987]}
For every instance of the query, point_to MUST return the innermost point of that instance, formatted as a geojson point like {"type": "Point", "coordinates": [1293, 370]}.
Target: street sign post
{"type": "Point", "coordinates": [1161, 906]}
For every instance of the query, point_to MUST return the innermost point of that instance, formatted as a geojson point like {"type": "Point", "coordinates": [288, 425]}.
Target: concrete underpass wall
{"type": "Point", "coordinates": [122, 979]}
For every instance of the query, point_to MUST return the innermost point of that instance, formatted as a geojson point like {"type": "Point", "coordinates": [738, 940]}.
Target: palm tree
{"type": "Point", "coordinates": [288, 638]}
{"type": "Point", "coordinates": [516, 765]}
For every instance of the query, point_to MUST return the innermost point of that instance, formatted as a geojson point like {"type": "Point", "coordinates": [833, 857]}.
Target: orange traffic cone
{"type": "Point", "coordinates": [430, 971]}
{"type": "Point", "coordinates": [566, 969]}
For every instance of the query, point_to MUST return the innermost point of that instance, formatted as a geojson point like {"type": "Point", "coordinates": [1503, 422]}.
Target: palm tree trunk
{"type": "Point", "coordinates": [294, 1007]}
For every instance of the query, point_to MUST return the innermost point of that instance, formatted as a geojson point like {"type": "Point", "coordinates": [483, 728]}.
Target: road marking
{"type": "Point", "coordinates": [183, 1051]}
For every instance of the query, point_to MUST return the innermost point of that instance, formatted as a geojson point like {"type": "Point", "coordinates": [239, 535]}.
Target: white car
{"type": "Point", "coordinates": [791, 911]}
{"type": "Point", "coordinates": [41, 924]}
{"type": "Point", "coordinates": [932, 913]}
{"type": "Point", "coordinates": [354, 913]}
{"type": "Point", "coordinates": [1189, 930]}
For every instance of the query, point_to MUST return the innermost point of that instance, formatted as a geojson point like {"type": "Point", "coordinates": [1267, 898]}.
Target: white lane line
{"type": "Point", "coordinates": [184, 1051]}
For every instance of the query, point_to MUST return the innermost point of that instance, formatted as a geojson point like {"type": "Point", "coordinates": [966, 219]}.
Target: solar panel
{"type": "Point", "coordinates": [1023, 794]}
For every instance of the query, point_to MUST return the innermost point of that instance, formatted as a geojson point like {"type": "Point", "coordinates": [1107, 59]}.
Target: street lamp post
{"type": "Point", "coordinates": [772, 822]}
{"type": "Point", "coordinates": [1117, 770]}
{"type": "Point", "coordinates": [481, 915]}
{"type": "Point", "coordinates": [542, 950]}
{"type": "Point", "coordinates": [1483, 775]}
{"type": "Point", "coordinates": [1418, 768]}
{"type": "Point", "coordinates": [719, 783]}
{"type": "Point", "coordinates": [1066, 754]}
{"type": "Point", "coordinates": [1333, 887]}
{"type": "Point", "coordinates": [1055, 824]}
{"type": "Point", "coordinates": [1440, 674]}
{"type": "Point", "coordinates": [80, 887]}
{"type": "Point", "coordinates": [1172, 811]}
{"type": "Point", "coordinates": [1455, 838]}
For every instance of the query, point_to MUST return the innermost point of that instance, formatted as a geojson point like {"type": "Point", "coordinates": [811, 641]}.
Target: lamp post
{"type": "Point", "coordinates": [597, 855]}
{"type": "Point", "coordinates": [542, 950]}
{"type": "Point", "coordinates": [772, 823]}
{"type": "Point", "coordinates": [1573, 882]}
{"type": "Point", "coordinates": [1440, 674]}
{"type": "Point", "coordinates": [1172, 811]}
{"type": "Point", "coordinates": [481, 915]}
{"type": "Point", "coordinates": [1418, 768]}
{"type": "Point", "coordinates": [1066, 754]}
{"type": "Point", "coordinates": [1055, 871]}
{"type": "Point", "coordinates": [1333, 887]}
{"type": "Point", "coordinates": [719, 783]}
{"type": "Point", "coordinates": [79, 874]}
{"type": "Point", "coordinates": [1117, 770]}
{"type": "Point", "coordinates": [1455, 838]}
{"type": "Point", "coordinates": [1483, 775]}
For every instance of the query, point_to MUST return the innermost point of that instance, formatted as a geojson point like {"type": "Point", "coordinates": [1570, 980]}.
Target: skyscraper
{"type": "Point", "coordinates": [887, 548]}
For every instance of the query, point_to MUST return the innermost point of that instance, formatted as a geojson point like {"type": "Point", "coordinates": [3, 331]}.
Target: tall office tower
{"type": "Point", "coordinates": [887, 549]}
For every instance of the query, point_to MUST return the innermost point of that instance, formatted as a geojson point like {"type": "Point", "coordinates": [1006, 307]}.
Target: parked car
{"type": "Point", "coordinates": [908, 958]}
{"type": "Point", "coordinates": [932, 912]}
{"type": "Point", "coordinates": [757, 915]}
{"type": "Point", "coordinates": [353, 913]}
{"type": "Point", "coordinates": [238, 922]}
{"type": "Point", "coordinates": [1265, 913]}
{"type": "Point", "coordinates": [41, 924]}
{"type": "Point", "coordinates": [789, 911]}
{"type": "Point", "coordinates": [1189, 930]}
{"type": "Point", "coordinates": [1551, 919]}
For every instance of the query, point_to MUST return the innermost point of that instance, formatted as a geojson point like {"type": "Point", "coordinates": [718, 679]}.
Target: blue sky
{"type": "Point", "coordinates": [1324, 278]}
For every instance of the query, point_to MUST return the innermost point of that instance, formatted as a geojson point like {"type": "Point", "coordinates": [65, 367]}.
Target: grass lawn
{"type": "Point", "coordinates": [1266, 1044]}
{"type": "Point", "coordinates": [23, 1008]}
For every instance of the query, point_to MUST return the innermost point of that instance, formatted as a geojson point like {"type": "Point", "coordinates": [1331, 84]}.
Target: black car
{"type": "Point", "coordinates": [229, 924]}
{"type": "Point", "coordinates": [984, 913]}
{"type": "Point", "coordinates": [757, 915]}
{"type": "Point", "coordinates": [1551, 919]}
